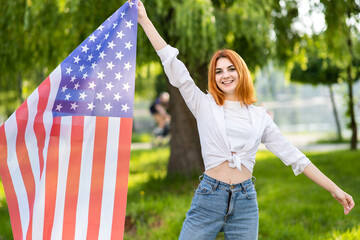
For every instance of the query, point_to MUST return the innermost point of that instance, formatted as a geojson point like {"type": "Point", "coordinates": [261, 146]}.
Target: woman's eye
{"type": "Point", "coordinates": [232, 69]}
{"type": "Point", "coordinates": [217, 72]}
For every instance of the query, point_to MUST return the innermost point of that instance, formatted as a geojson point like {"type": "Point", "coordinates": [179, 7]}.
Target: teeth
{"type": "Point", "coordinates": [227, 82]}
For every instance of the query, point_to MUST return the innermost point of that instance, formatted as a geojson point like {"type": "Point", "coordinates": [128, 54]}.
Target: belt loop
{"type": "Point", "coordinates": [215, 185]}
{"type": "Point", "coordinates": [253, 179]}
{"type": "Point", "coordinates": [201, 177]}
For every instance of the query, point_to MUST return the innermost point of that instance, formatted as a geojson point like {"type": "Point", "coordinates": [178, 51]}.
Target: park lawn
{"type": "Point", "coordinates": [290, 207]}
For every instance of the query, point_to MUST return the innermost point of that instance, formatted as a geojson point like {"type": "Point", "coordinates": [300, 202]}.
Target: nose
{"type": "Point", "coordinates": [226, 74]}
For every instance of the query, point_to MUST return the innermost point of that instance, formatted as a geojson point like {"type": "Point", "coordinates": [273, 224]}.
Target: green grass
{"type": "Point", "coordinates": [290, 207]}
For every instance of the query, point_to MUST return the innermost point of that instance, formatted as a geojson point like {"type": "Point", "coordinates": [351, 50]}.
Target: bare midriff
{"type": "Point", "coordinates": [225, 173]}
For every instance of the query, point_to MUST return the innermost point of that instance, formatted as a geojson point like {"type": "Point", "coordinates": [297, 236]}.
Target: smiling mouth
{"type": "Point", "coordinates": [227, 82]}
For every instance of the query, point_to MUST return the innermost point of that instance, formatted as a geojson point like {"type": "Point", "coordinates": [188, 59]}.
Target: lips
{"type": "Point", "coordinates": [227, 82]}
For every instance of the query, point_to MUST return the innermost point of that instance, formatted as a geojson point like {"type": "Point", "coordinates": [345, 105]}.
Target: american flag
{"type": "Point", "coordinates": [64, 153]}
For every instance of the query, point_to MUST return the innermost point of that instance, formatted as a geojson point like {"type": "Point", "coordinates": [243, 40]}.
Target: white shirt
{"type": "Point", "coordinates": [215, 147]}
{"type": "Point", "coordinates": [237, 124]}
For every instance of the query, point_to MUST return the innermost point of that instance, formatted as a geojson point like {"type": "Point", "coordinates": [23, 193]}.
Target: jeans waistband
{"type": "Point", "coordinates": [225, 185]}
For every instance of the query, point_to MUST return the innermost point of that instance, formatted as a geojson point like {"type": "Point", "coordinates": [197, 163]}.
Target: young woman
{"type": "Point", "coordinates": [230, 130]}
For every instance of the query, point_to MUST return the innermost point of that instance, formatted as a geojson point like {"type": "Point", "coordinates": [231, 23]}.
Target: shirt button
{"type": "Point", "coordinates": [231, 187]}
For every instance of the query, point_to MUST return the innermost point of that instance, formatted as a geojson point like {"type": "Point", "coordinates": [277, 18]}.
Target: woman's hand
{"type": "Point", "coordinates": [344, 199]}
{"type": "Point", "coordinates": [142, 15]}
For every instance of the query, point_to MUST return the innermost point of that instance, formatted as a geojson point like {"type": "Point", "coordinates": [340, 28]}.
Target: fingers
{"type": "Point", "coordinates": [349, 204]}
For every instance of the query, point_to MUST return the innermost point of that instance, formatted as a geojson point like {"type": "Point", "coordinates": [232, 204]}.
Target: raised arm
{"type": "Point", "coordinates": [313, 173]}
{"type": "Point", "coordinates": [156, 40]}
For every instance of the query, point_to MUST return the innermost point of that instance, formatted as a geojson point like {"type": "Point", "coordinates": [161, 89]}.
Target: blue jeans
{"type": "Point", "coordinates": [220, 207]}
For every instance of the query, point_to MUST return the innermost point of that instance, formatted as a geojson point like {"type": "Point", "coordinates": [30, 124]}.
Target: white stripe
{"type": "Point", "coordinates": [11, 129]}
{"type": "Point", "coordinates": [64, 156]}
{"type": "Point", "coordinates": [82, 211]}
{"type": "Point", "coordinates": [39, 207]}
{"type": "Point", "coordinates": [107, 204]}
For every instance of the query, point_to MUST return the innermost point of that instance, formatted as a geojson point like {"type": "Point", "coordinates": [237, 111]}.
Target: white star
{"type": "Point", "coordinates": [68, 70]}
{"type": "Point", "coordinates": [128, 45]}
{"type": "Point", "coordinates": [74, 106]}
{"type": "Point", "coordinates": [101, 75]}
{"type": "Point", "coordinates": [102, 55]}
{"type": "Point", "coordinates": [118, 76]}
{"type": "Point", "coordinates": [98, 46]}
{"type": "Point", "coordinates": [110, 65]}
{"type": "Point", "coordinates": [101, 27]}
{"type": "Point", "coordinates": [108, 107]}
{"type": "Point", "coordinates": [131, 4]}
{"type": "Point", "coordinates": [117, 97]}
{"type": "Point", "coordinates": [124, 107]}
{"type": "Point", "coordinates": [111, 45]}
{"type": "Point", "coordinates": [91, 106]}
{"type": "Point", "coordinates": [109, 86]}
{"type": "Point", "coordinates": [120, 35]}
{"type": "Point", "coordinates": [76, 59]}
{"type": "Point", "coordinates": [92, 38]}
{"type": "Point", "coordinates": [82, 67]}
{"type": "Point", "coordinates": [119, 55]}
{"type": "Point", "coordinates": [92, 85]}
{"type": "Point", "coordinates": [58, 107]}
{"type": "Point", "coordinates": [126, 86]}
{"type": "Point", "coordinates": [90, 57]}
{"type": "Point", "coordinates": [76, 86]}
{"type": "Point", "coordinates": [129, 24]}
{"type": "Point", "coordinates": [84, 48]}
{"type": "Point", "coordinates": [85, 75]}
{"type": "Point", "coordinates": [127, 66]}
{"type": "Point", "coordinates": [122, 14]}
{"type": "Point", "coordinates": [82, 96]}
{"type": "Point", "coordinates": [114, 25]}
{"type": "Point", "coordinates": [106, 36]}
{"type": "Point", "coordinates": [93, 65]}
{"type": "Point", "coordinates": [73, 78]}
{"type": "Point", "coordinates": [64, 88]}
{"type": "Point", "coordinates": [67, 97]}
{"type": "Point", "coordinates": [99, 96]}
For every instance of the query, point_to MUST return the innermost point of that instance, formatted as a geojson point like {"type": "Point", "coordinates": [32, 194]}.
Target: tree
{"type": "Point", "coordinates": [342, 17]}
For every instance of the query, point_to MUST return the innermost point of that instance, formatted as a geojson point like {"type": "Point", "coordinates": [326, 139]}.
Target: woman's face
{"type": "Point", "coordinates": [227, 78]}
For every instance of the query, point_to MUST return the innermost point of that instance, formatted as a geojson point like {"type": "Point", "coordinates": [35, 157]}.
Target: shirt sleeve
{"type": "Point", "coordinates": [274, 141]}
{"type": "Point", "coordinates": [179, 77]}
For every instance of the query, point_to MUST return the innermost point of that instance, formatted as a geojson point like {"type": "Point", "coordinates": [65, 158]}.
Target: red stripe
{"type": "Point", "coordinates": [97, 177]}
{"type": "Point", "coordinates": [122, 173]}
{"type": "Point", "coordinates": [22, 154]}
{"type": "Point", "coordinates": [11, 198]}
{"type": "Point", "coordinates": [51, 178]}
{"type": "Point", "coordinates": [39, 129]}
{"type": "Point", "coordinates": [73, 178]}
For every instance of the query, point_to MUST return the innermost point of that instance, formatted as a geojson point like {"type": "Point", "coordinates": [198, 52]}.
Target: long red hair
{"type": "Point", "coordinates": [245, 89]}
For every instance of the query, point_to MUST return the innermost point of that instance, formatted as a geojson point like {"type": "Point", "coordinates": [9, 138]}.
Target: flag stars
{"type": "Point", "coordinates": [118, 76]}
{"type": "Point", "coordinates": [76, 86]}
{"type": "Point", "coordinates": [68, 70]}
{"type": "Point", "coordinates": [98, 47]}
{"type": "Point", "coordinates": [100, 27]}
{"type": "Point", "coordinates": [85, 75]}
{"type": "Point", "coordinates": [126, 86]}
{"type": "Point", "coordinates": [92, 38]}
{"type": "Point", "coordinates": [92, 85]}
{"type": "Point", "coordinates": [84, 48]}
{"type": "Point", "coordinates": [109, 86]}
{"type": "Point", "coordinates": [74, 106]}
{"type": "Point", "coordinates": [76, 59]}
{"type": "Point", "coordinates": [58, 107]}
{"type": "Point", "coordinates": [99, 96]}
{"type": "Point", "coordinates": [83, 96]}
{"type": "Point", "coordinates": [110, 65]}
{"type": "Point", "coordinates": [82, 67]}
{"type": "Point", "coordinates": [125, 107]}
{"type": "Point", "coordinates": [122, 14]}
{"type": "Point", "coordinates": [106, 36]}
{"type": "Point", "coordinates": [91, 106]}
{"type": "Point", "coordinates": [114, 25]}
{"type": "Point", "coordinates": [102, 55]}
{"type": "Point", "coordinates": [93, 65]}
{"type": "Point", "coordinates": [129, 24]}
{"type": "Point", "coordinates": [117, 97]}
{"type": "Point", "coordinates": [111, 45]}
{"type": "Point", "coordinates": [101, 75]}
{"type": "Point", "coordinates": [73, 78]}
{"type": "Point", "coordinates": [90, 57]}
{"type": "Point", "coordinates": [64, 88]}
{"type": "Point", "coordinates": [127, 66]}
{"type": "Point", "coordinates": [120, 35]}
{"type": "Point", "coordinates": [67, 97]}
{"type": "Point", "coordinates": [131, 4]}
{"type": "Point", "coordinates": [119, 55]}
{"type": "Point", "coordinates": [128, 45]}
{"type": "Point", "coordinates": [108, 107]}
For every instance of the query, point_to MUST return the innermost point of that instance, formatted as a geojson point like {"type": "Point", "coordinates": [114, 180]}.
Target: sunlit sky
{"type": "Point", "coordinates": [310, 21]}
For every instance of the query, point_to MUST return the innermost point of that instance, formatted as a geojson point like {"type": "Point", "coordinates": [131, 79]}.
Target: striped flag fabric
{"type": "Point", "coordinates": [64, 153]}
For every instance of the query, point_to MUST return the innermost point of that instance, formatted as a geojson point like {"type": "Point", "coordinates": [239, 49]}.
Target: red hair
{"type": "Point", "coordinates": [245, 89]}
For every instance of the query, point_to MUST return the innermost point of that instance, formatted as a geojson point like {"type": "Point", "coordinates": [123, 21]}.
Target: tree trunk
{"type": "Point", "coordinates": [336, 116]}
{"type": "Point", "coordinates": [351, 111]}
{"type": "Point", "coordinates": [185, 158]}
